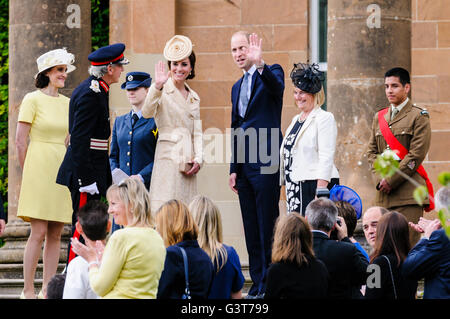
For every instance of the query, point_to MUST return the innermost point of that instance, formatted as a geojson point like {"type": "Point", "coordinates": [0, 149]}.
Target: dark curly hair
{"type": "Point", "coordinates": [42, 80]}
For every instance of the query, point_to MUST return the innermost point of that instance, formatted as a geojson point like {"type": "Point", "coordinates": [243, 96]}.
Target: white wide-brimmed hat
{"type": "Point", "coordinates": [53, 58]}
{"type": "Point", "coordinates": [178, 48]}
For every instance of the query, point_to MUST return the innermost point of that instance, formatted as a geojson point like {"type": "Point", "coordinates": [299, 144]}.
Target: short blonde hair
{"type": "Point", "coordinates": [175, 223]}
{"type": "Point", "coordinates": [207, 216]}
{"type": "Point", "coordinates": [136, 199]}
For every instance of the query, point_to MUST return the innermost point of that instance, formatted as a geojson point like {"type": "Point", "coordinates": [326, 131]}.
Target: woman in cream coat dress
{"type": "Point", "coordinates": [176, 110]}
{"type": "Point", "coordinates": [307, 151]}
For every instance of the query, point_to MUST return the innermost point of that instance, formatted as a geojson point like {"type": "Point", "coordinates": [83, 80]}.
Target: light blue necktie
{"type": "Point", "coordinates": [243, 95]}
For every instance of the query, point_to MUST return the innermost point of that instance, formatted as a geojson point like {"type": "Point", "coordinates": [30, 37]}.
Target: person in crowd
{"type": "Point", "coordinates": [307, 152]}
{"type": "Point", "coordinates": [370, 221]}
{"type": "Point", "coordinates": [349, 219]}
{"type": "Point", "coordinates": [131, 263]}
{"type": "Point", "coordinates": [257, 100]}
{"type": "Point", "coordinates": [93, 224]}
{"type": "Point", "coordinates": [295, 271]}
{"type": "Point", "coordinates": [403, 127]}
{"type": "Point", "coordinates": [3, 217]}
{"type": "Point", "coordinates": [134, 137]}
{"type": "Point", "coordinates": [85, 170]}
{"type": "Point", "coordinates": [56, 286]}
{"type": "Point", "coordinates": [392, 245]}
{"type": "Point", "coordinates": [43, 118]}
{"type": "Point", "coordinates": [228, 278]}
{"type": "Point", "coordinates": [179, 230]}
{"type": "Point", "coordinates": [176, 110]}
{"type": "Point", "coordinates": [345, 263]}
{"type": "Point", "coordinates": [348, 213]}
{"type": "Point", "coordinates": [430, 258]}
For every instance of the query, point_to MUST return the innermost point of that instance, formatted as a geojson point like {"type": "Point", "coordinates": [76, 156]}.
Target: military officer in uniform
{"type": "Point", "coordinates": [133, 140]}
{"type": "Point", "coordinates": [410, 125]}
{"type": "Point", "coordinates": [85, 168]}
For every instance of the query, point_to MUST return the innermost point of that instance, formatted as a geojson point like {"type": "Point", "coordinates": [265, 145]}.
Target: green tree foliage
{"type": "Point", "coordinates": [99, 23]}
{"type": "Point", "coordinates": [4, 24]}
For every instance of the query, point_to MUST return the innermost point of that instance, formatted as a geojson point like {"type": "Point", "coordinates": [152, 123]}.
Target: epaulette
{"type": "Point", "coordinates": [423, 111]}
{"type": "Point", "coordinates": [95, 86]}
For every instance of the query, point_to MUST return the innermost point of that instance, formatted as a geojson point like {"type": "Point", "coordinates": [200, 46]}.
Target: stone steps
{"type": "Point", "coordinates": [11, 279]}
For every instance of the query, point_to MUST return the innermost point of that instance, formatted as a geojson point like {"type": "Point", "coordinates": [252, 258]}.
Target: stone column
{"type": "Point", "coordinates": [365, 39]}
{"type": "Point", "coordinates": [38, 26]}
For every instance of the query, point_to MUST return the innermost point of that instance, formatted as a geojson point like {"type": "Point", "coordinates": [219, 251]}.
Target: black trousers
{"type": "Point", "coordinates": [259, 195]}
{"type": "Point", "coordinates": [308, 192]}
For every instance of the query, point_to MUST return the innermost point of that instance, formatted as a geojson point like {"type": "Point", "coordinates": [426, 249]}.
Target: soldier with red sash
{"type": "Point", "coordinates": [85, 169]}
{"type": "Point", "coordinates": [404, 128]}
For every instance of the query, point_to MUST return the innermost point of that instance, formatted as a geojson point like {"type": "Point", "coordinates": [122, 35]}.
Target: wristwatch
{"type": "Point", "coordinates": [260, 66]}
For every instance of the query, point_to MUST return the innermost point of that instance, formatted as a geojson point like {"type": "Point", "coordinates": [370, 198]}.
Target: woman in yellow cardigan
{"type": "Point", "coordinates": [131, 263]}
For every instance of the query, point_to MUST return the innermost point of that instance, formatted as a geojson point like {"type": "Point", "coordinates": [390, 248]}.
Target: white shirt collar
{"type": "Point", "coordinates": [399, 108]}
{"type": "Point", "coordinates": [139, 113]}
{"type": "Point", "coordinates": [251, 70]}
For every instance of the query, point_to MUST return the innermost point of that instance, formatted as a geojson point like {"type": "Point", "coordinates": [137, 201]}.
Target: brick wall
{"type": "Point", "coordinates": [431, 76]}
{"type": "Point", "coordinates": [282, 25]}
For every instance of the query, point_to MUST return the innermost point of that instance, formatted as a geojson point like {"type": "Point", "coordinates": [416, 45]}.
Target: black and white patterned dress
{"type": "Point", "coordinates": [293, 189]}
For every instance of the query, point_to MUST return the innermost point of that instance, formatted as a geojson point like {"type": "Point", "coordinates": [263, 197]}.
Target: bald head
{"type": "Point", "coordinates": [369, 223]}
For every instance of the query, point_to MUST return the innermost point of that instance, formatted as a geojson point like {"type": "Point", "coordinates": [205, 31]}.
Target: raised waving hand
{"type": "Point", "coordinates": [161, 75]}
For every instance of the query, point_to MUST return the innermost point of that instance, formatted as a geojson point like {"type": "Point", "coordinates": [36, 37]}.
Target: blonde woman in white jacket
{"type": "Point", "coordinates": [307, 152]}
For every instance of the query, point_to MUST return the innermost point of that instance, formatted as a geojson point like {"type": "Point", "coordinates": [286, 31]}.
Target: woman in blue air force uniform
{"type": "Point", "coordinates": [134, 137]}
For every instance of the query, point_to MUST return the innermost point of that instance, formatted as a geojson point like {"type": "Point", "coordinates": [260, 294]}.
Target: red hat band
{"type": "Point", "coordinates": [107, 62]}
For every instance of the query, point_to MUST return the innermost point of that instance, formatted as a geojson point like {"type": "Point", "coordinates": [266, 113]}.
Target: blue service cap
{"type": "Point", "coordinates": [109, 54]}
{"type": "Point", "coordinates": [136, 79]}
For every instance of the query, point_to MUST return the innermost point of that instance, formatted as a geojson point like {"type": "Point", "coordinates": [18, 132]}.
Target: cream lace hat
{"type": "Point", "coordinates": [178, 48]}
{"type": "Point", "coordinates": [55, 57]}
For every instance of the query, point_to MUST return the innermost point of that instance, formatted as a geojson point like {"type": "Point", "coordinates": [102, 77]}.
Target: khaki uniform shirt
{"type": "Point", "coordinates": [411, 127]}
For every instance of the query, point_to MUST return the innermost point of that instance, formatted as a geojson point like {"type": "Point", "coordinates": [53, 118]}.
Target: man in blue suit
{"type": "Point", "coordinates": [257, 100]}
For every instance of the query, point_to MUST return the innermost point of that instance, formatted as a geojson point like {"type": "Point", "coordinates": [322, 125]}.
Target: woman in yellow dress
{"type": "Point", "coordinates": [43, 117]}
{"type": "Point", "coordinates": [176, 109]}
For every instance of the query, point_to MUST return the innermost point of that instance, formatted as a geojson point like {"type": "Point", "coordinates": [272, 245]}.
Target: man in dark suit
{"type": "Point", "coordinates": [346, 265]}
{"type": "Point", "coordinates": [134, 137]}
{"type": "Point", "coordinates": [85, 168]}
{"type": "Point", "coordinates": [257, 100]}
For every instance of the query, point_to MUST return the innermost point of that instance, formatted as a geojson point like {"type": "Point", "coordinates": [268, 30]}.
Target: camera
{"type": "Point", "coordinates": [322, 192]}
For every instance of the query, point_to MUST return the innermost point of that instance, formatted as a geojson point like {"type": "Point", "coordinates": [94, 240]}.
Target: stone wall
{"type": "Point", "coordinates": [431, 76]}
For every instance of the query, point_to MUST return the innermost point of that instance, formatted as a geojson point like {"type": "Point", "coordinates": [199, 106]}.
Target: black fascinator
{"type": "Point", "coordinates": [307, 77]}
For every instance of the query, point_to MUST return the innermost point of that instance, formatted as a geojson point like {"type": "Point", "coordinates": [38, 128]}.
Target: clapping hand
{"type": "Point", "coordinates": [254, 54]}
{"type": "Point", "coordinates": [161, 76]}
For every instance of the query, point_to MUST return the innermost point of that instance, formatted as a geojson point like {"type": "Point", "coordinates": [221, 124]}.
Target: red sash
{"type": "Point", "coordinates": [76, 234]}
{"type": "Point", "coordinates": [395, 145]}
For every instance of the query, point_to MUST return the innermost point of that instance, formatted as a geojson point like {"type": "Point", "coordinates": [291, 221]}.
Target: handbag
{"type": "Point", "coordinates": [187, 292]}
{"type": "Point", "coordinates": [392, 277]}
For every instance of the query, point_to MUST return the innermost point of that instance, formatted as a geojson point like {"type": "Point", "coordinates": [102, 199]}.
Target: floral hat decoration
{"type": "Point", "coordinates": [53, 58]}
{"type": "Point", "coordinates": [307, 77]}
{"type": "Point", "coordinates": [178, 48]}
